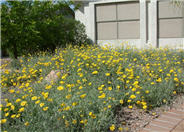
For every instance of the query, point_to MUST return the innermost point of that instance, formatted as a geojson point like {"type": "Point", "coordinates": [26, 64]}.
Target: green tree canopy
{"type": "Point", "coordinates": [29, 26]}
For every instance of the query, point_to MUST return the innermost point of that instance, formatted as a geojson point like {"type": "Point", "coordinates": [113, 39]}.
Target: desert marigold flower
{"type": "Point", "coordinates": [121, 101]}
{"type": "Point", "coordinates": [95, 72]}
{"type": "Point", "coordinates": [101, 96]}
{"type": "Point", "coordinates": [6, 114]}
{"type": "Point", "coordinates": [11, 90]}
{"type": "Point", "coordinates": [112, 127]}
{"type": "Point", "coordinates": [45, 108]}
{"type": "Point", "coordinates": [147, 91]}
{"type": "Point", "coordinates": [159, 80]}
{"type": "Point", "coordinates": [23, 103]}
{"type": "Point", "coordinates": [138, 102]}
{"type": "Point", "coordinates": [133, 89]}
{"type": "Point", "coordinates": [21, 109]}
{"type": "Point", "coordinates": [130, 106]}
{"type": "Point", "coordinates": [83, 96]}
{"type": "Point", "coordinates": [60, 88]}
{"type": "Point", "coordinates": [50, 99]}
{"type": "Point", "coordinates": [13, 116]}
{"type": "Point", "coordinates": [176, 79]}
{"type": "Point", "coordinates": [68, 96]}
{"type": "Point", "coordinates": [3, 121]}
{"type": "Point", "coordinates": [174, 92]}
{"type": "Point", "coordinates": [26, 123]}
{"type": "Point", "coordinates": [132, 96]}
{"type": "Point", "coordinates": [144, 107]}
{"type": "Point", "coordinates": [37, 102]}
{"type": "Point", "coordinates": [152, 83]}
{"type": "Point", "coordinates": [74, 121]}
{"type": "Point", "coordinates": [109, 88]}
{"type": "Point", "coordinates": [90, 113]}
{"type": "Point", "coordinates": [18, 115]}
{"type": "Point", "coordinates": [107, 74]}
{"type": "Point", "coordinates": [120, 128]}
{"type": "Point", "coordinates": [42, 104]}
{"type": "Point", "coordinates": [18, 100]}
{"type": "Point", "coordinates": [34, 98]}
{"type": "Point", "coordinates": [48, 87]}
{"type": "Point", "coordinates": [109, 106]}
{"type": "Point", "coordinates": [9, 104]}
{"type": "Point", "coordinates": [80, 87]}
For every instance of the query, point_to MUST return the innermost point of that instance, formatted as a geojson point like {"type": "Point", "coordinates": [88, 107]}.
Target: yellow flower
{"type": "Point", "coordinates": [112, 127]}
{"type": "Point", "coordinates": [61, 82]}
{"type": "Point", "coordinates": [60, 88]}
{"type": "Point", "coordinates": [37, 102]}
{"type": "Point", "coordinates": [83, 96]}
{"type": "Point", "coordinates": [101, 96]}
{"type": "Point", "coordinates": [152, 83]}
{"type": "Point", "coordinates": [147, 91]}
{"type": "Point", "coordinates": [42, 104]}
{"type": "Point", "coordinates": [120, 128]}
{"type": "Point", "coordinates": [48, 87]}
{"type": "Point", "coordinates": [9, 104]}
{"type": "Point", "coordinates": [80, 87]}
{"type": "Point", "coordinates": [176, 79]}
{"type": "Point", "coordinates": [6, 114]}
{"type": "Point", "coordinates": [109, 106]}
{"type": "Point", "coordinates": [109, 88]}
{"type": "Point", "coordinates": [18, 115]}
{"type": "Point", "coordinates": [130, 106]}
{"type": "Point", "coordinates": [23, 103]}
{"type": "Point", "coordinates": [74, 103]}
{"type": "Point", "coordinates": [68, 96]}
{"type": "Point", "coordinates": [95, 72]}
{"type": "Point", "coordinates": [159, 80]}
{"type": "Point", "coordinates": [3, 121]}
{"type": "Point", "coordinates": [21, 109]}
{"type": "Point", "coordinates": [144, 107]}
{"type": "Point", "coordinates": [174, 92]}
{"type": "Point", "coordinates": [34, 98]}
{"type": "Point", "coordinates": [11, 90]}
{"type": "Point", "coordinates": [129, 100]}
{"type": "Point", "coordinates": [121, 101]}
{"type": "Point", "coordinates": [90, 113]}
{"type": "Point", "coordinates": [74, 121]}
{"type": "Point", "coordinates": [26, 123]}
{"type": "Point", "coordinates": [132, 96]}
{"type": "Point", "coordinates": [50, 99]}
{"type": "Point", "coordinates": [45, 108]}
{"type": "Point", "coordinates": [107, 74]}
{"type": "Point", "coordinates": [13, 116]}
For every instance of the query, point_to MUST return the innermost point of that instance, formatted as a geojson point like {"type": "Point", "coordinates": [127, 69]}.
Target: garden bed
{"type": "Point", "coordinates": [99, 89]}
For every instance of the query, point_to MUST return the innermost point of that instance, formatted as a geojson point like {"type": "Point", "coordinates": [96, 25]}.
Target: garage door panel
{"type": "Point", "coordinates": [129, 30]}
{"type": "Point", "coordinates": [168, 10]}
{"type": "Point", "coordinates": [171, 28]}
{"type": "Point", "coordinates": [106, 12]}
{"type": "Point", "coordinates": [107, 31]}
{"type": "Point", "coordinates": [128, 11]}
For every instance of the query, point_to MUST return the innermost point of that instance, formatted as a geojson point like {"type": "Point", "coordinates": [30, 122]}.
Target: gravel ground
{"type": "Point", "coordinates": [133, 120]}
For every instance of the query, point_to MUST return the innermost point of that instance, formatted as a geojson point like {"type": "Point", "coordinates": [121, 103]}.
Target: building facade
{"type": "Point", "coordinates": [139, 23]}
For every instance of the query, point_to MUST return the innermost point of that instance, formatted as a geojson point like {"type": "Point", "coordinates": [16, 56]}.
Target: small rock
{"type": "Point", "coordinates": [54, 75]}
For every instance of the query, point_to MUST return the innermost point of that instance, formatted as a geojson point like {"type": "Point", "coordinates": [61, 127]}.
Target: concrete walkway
{"type": "Point", "coordinates": [170, 121]}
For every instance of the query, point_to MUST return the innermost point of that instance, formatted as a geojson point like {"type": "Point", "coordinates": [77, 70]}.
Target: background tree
{"type": "Point", "coordinates": [30, 26]}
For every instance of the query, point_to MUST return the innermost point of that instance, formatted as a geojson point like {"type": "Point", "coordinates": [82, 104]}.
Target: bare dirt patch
{"type": "Point", "coordinates": [136, 119]}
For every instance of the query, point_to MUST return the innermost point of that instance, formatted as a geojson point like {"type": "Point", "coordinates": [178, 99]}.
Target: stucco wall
{"type": "Point", "coordinates": [152, 31]}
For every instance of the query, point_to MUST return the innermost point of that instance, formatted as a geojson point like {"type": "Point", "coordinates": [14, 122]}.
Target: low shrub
{"type": "Point", "coordinates": [91, 83]}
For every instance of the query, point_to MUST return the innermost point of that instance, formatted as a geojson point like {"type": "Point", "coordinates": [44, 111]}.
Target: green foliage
{"type": "Point", "coordinates": [29, 26]}
{"type": "Point", "coordinates": [92, 83]}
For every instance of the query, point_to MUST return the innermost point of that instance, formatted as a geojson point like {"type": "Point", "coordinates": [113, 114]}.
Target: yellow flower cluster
{"type": "Point", "coordinates": [90, 83]}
